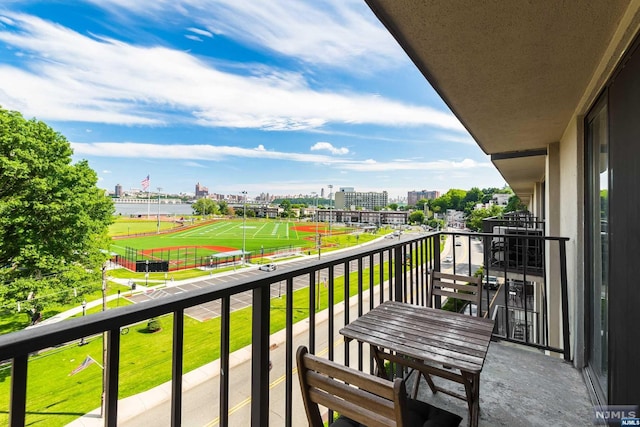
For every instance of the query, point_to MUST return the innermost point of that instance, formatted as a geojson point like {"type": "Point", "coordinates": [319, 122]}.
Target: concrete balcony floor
{"type": "Point", "coordinates": [521, 387]}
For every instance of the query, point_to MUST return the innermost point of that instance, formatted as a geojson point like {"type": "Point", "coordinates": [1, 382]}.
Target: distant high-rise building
{"type": "Point", "coordinates": [322, 192]}
{"type": "Point", "coordinates": [414, 197]}
{"type": "Point", "coordinates": [367, 200]}
{"type": "Point", "coordinates": [201, 191]}
{"type": "Point", "coordinates": [118, 190]}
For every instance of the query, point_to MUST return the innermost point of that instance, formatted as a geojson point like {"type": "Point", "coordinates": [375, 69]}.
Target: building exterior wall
{"type": "Point", "coordinates": [414, 196]}
{"type": "Point", "coordinates": [570, 219]}
{"type": "Point", "coordinates": [366, 200]}
{"type": "Point", "coordinates": [364, 217]}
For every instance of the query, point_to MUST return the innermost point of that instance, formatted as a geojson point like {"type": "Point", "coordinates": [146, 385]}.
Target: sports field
{"type": "Point", "coordinates": [262, 237]}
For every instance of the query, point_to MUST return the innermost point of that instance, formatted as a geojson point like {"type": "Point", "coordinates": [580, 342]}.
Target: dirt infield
{"type": "Point", "coordinates": [309, 229]}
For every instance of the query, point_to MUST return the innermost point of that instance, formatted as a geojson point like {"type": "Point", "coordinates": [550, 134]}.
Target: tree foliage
{"type": "Point", "coordinates": [514, 204]}
{"type": "Point", "coordinates": [53, 218]}
{"type": "Point", "coordinates": [474, 220]}
{"type": "Point", "coordinates": [205, 206]}
{"type": "Point", "coordinates": [416, 217]}
{"type": "Point", "coordinates": [223, 207]}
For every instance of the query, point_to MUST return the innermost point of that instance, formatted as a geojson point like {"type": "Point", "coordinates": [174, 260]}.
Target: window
{"type": "Point", "coordinates": [597, 211]}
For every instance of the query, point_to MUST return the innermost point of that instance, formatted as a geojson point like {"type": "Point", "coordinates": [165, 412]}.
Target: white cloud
{"type": "Point", "coordinates": [6, 20]}
{"type": "Point", "coordinates": [192, 37]}
{"type": "Point", "coordinates": [462, 139]}
{"type": "Point", "coordinates": [191, 164]}
{"type": "Point", "coordinates": [74, 77]}
{"type": "Point", "coordinates": [200, 32]}
{"type": "Point", "coordinates": [339, 33]}
{"type": "Point", "coordinates": [204, 152]}
{"type": "Point", "coordinates": [106, 171]}
{"type": "Point", "coordinates": [329, 147]}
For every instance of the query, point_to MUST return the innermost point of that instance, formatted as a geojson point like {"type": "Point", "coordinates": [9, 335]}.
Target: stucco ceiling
{"type": "Point", "coordinates": [511, 71]}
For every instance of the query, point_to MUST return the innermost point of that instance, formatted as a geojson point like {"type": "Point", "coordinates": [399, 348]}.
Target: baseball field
{"type": "Point", "coordinates": [195, 245]}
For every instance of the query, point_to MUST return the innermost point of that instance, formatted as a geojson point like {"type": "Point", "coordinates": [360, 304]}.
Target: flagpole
{"type": "Point", "coordinates": [148, 199]}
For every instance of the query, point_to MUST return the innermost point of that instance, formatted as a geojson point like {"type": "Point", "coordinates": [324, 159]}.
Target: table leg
{"type": "Point", "coordinates": [380, 370]}
{"type": "Point", "coordinates": [472, 391]}
{"type": "Point", "coordinates": [416, 384]}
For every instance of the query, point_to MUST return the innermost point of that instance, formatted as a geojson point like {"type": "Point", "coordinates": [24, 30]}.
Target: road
{"type": "Point", "coordinates": [201, 401]}
{"type": "Point", "coordinates": [200, 394]}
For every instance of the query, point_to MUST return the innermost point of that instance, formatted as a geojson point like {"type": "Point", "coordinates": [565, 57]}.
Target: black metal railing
{"type": "Point", "coordinates": [396, 270]}
{"type": "Point", "coordinates": [516, 252]}
{"type": "Point", "coordinates": [521, 299]}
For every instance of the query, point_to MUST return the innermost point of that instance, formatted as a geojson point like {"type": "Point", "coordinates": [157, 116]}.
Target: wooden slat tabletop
{"type": "Point", "coordinates": [423, 333]}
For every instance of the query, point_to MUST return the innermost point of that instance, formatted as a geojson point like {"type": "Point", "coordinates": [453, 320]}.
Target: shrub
{"type": "Point", "coordinates": [154, 325]}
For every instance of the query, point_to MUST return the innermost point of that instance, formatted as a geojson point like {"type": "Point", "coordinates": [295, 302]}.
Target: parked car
{"type": "Point", "coordinates": [267, 267]}
{"type": "Point", "coordinates": [458, 243]}
{"type": "Point", "coordinates": [491, 282]}
{"type": "Point", "coordinates": [448, 259]}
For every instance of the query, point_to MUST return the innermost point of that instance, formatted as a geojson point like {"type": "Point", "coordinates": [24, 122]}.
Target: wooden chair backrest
{"type": "Point", "coordinates": [467, 288]}
{"type": "Point", "coordinates": [364, 398]}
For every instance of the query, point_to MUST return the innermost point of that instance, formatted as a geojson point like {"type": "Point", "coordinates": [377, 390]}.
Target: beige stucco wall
{"type": "Point", "coordinates": [571, 225]}
{"type": "Point", "coordinates": [571, 178]}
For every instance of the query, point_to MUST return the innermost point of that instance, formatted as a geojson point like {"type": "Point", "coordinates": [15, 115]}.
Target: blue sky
{"type": "Point", "coordinates": [283, 97]}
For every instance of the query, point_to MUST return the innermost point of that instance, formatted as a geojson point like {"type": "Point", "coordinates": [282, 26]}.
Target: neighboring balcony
{"type": "Point", "coordinates": [515, 254]}
{"type": "Point", "coordinates": [257, 385]}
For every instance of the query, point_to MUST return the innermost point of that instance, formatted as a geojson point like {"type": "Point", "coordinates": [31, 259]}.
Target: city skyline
{"type": "Point", "coordinates": [256, 97]}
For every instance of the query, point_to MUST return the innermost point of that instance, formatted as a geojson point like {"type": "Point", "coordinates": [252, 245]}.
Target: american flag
{"type": "Point", "coordinates": [145, 183]}
{"type": "Point", "coordinates": [84, 365]}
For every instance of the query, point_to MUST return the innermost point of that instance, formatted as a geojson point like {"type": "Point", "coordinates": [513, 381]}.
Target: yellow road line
{"type": "Point", "coordinates": [275, 383]}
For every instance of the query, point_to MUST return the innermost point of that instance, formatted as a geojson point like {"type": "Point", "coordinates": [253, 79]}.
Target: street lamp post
{"type": "Point", "coordinates": [315, 215]}
{"type": "Point", "coordinates": [159, 190]}
{"type": "Point", "coordinates": [84, 312]}
{"type": "Point", "coordinates": [330, 206]}
{"type": "Point", "coordinates": [146, 272]}
{"type": "Point", "coordinates": [244, 222]}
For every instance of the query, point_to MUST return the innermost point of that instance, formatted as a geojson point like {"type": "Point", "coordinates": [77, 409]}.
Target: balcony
{"type": "Point", "coordinates": [515, 254]}
{"type": "Point", "coordinates": [520, 384]}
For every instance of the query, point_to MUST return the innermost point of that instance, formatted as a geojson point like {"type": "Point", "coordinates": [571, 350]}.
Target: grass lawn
{"type": "Point", "coordinates": [230, 234]}
{"type": "Point", "coordinates": [127, 226]}
{"type": "Point", "coordinates": [11, 321]}
{"type": "Point", "coordinates": [142, 353]}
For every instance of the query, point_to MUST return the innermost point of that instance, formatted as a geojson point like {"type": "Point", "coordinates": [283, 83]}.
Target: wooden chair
{"type": "Point", "coordinates": [457, 286]}
{"type": "Point", "coordinates": [362, 398]}
{"type": "Point", "coordinates": [467, 288]}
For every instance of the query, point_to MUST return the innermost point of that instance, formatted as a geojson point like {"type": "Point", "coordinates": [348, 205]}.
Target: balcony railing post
{"type": "Point", "coordinates": [225, 337]}
{"type": "Point", "coordinates": [565, 302]}
{"type": "Point", "coordinates": [113, 373]}
{"type": "Point", "coordinates": [313, 306]}
{"type": "Point", "coordinates": [289, 354]}
{"type": "Point", "coordinates": [176, 368]}
{"type": "Point", "coordinates": [398, 262]}
{"type": "Point", "coordinates": [260, 357]}
{"type": "Point", "coordinates": [18, 403]}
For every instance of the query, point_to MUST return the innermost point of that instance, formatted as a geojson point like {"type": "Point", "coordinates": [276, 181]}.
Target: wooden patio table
{"type": "Point", "coordinates": [435, 342]}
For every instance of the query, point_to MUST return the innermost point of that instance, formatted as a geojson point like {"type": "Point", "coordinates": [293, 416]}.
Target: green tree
{"type": "Point", "coordinates": [393, 206]}
{"type": "Point", "coordinates": [416, 217]}
{"type": "Point", "coordinates": [514, 204]}
{"type": "Point", "coordinates": [421, 204]}
{"type": "Point", "coordinates": [474, 220]}
{"type": "Point", "coordinates": [474, 195]}
{"type": "Point", "coordinates": [53, 218]}
{"type": "Point", "coordinates": [205, 207]}
{"type": "Point", "coordinates": [286, 205]}
{"type": "Point", "coordinates": [223, 207]}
